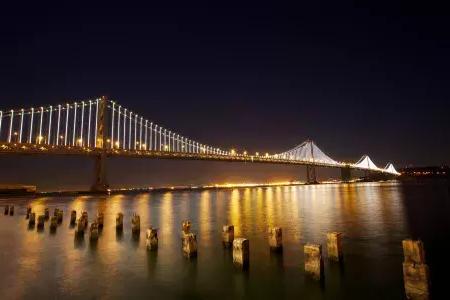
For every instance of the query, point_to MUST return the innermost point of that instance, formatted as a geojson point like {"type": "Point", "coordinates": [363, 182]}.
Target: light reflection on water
{"type": "Point", "coordinates": [370, 215]}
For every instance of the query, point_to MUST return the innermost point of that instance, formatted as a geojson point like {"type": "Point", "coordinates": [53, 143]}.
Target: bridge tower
{"type": "Point", "coordinates": [311, 169]}
{"type": "Point", "coordinates": [101, 185]}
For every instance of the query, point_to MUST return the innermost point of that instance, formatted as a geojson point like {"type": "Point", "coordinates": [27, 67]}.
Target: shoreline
{"type": "Point", "coordinates": [163, 189]}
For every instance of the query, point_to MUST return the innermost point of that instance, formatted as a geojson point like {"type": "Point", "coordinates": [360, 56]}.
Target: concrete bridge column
{"type": "Point", "coordinates": [311, 175]}
{"type": "Point", "coordinates": [101, 184]}
{"type": "Point", "coordinates": [346, 174]}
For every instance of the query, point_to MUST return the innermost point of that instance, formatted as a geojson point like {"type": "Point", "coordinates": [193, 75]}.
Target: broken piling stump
{"type": "Point", "coordinates": [136, 224]}
{"type": "Point", "coordinates": [416, 275]}
{"type": "Point", "coordinates": [46, 213]}
{"type": "Point", "coordinates": [275, 239]}
{"type": "Point", "coordinates": [100, 218]}
{"type": "Point", "coordinates": [313, 260]}
{"type": "Point", "coordinates": [40, 222]}
{"type": "Point", "coordinates": [59, 216]}
{"type": "Point", "coordinates": [189, 242]}
{"type": "Point", "coordinates": [73, 217]}
{"type": "Point", "coordinates": [119, 222]}
{"type": "Point", "coordinates": [28, 212]}
{"type": "Point", "coordinates": [334, 246]}
{"type": "Point", "coordinates": [53, 223]}
{"type": "Point", "coordinates": [7, 209]}
{"type": "Point", "coordinates": [241, 253]}
{"type": "Point", "coordinates": [152, 239]}
{"type": "Point", "coordinates": [227, 235]}
{"type": "Point", "coordinates": [32, 220]}
{"type": "Point", "coordinates": [93, 232]}
{"type": "Point", "coordinates": [186, 226]}
{"type": "Point", "coordinates": [11, 210]}
{"type": "Point", "coordinates": [81, 226]}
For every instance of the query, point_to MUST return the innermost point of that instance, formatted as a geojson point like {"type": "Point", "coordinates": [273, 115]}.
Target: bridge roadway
{"type": "Point", "coordinates": [45, 149]}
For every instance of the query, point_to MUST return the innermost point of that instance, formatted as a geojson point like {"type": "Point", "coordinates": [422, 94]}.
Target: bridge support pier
{"type": "Point", "coordinates": [311, 175]}
{"type": "Point", "coordinates": [346, 174]}
{"type": "Point", "coordinates": [100, 185]}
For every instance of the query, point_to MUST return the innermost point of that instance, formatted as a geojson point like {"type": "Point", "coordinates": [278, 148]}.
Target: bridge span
{"type": "Point", "coordinates": [102, 128]}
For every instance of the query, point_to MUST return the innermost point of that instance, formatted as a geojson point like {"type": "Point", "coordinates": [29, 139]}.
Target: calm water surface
{"type": "Point", "coordinates": [374, 218]}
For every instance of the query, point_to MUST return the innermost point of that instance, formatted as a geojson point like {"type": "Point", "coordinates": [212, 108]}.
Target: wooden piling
{"type": "Point", "coordinates": [28, 212]}
{"type": "Point", "coordinates": [119, 222]}
{"type": "Point", "coordinates": [189, 244]}
{"type": "Point", "coordinates": [136, 224]}
{"type": "Point", "coordinates": [93, 232]}
{"type": "Point", "coordinates": [46, 213]}
{"type": "Point", "coordinates": [313, 260]}
{"type": "Point", "coordinates": [227, 235]}
{"type": "Point", "coordinates": [59, 216]}
{"type": "Point", "coordinates": [186, 226]}
{"type": "Point", "coordinates": [275, 239]}
{"type": "Point", "coordinates": [32, 220]}
{"type": "Point", "coordinates": [73, 217]}
{"type": "Point", "coordinates": [7, 209]}
{"type": "Point", "coordinates": [11, 210]}
{"type": "Point", "coordinates": [334, 246]}
{"type": "Point", "coordinates": [416, 275]}
{"type": "Point", "coordinates": [40, 222]}
{"type": "Point", "coordinates": [152, 239]}
{"type": "Point", "coordinates": [81, 226]}
{"type": "Point", "coordinates": [100, 218]}
{"type": "Point", "coordinates": [241, 253]}
{"type": "Point", "coordinates": [53, 223]}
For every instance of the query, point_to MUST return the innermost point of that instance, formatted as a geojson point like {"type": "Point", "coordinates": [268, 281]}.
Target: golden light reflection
{"type": "Point", "coordinates": [270, 209]}
{"type": "Point", "coordinates": [205, 216]}
{"type": "Point", "coordinates": [235, 212]}
{"type": "Point", "coordinates": [167, 214]}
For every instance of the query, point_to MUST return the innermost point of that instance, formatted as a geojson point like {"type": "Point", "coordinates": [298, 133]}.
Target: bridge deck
{"type": "Point", "coordinates": [44, 149]}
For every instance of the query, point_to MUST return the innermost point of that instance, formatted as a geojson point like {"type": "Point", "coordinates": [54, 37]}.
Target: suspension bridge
{"type": "Point", "coordinates": [103, 128]}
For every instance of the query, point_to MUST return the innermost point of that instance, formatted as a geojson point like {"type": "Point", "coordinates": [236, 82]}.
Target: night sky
{"type": "Point", "coordinates": [354, 78]}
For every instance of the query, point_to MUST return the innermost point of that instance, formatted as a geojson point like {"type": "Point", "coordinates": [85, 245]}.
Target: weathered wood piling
{"type": "Point", "coordinates": [136, 224]}
{"type": "Point", "coordinates": [40, 222]}
{"type": "Point", "coordinates": [11, 210]}
{"type": "Point", "coordinates": [119, 222]}
{"type": "Point", "coordinates": [152, 239]}
{"type": "Point", "coordinates": [93, 232]}
{"type": "Point", "coordinates": [241, 253]}
{"type": "Point", "coordinates": [7, 209]}
{"type": "Point", "coordinates": [59, 216]}
{"type": "Point", "coordinates": [73, 217]}
{"type": "Point", "coordinates": [275, 239]}
{"type": "Point", "coordinates": [186, 226]}
{"type": "Point", "coordinates": [416, 275]}
{"type": "Point", "coordinates": [313, 260]}
{"type": "Point", "coordinates": [189, 244]}
{"type": "Point", "coordinates": [100, 218]}
{"type": "Point", "coordinates": [32, 220]}
{"type": "Point", "coordinates": [227, 235]}
{"type": "Point", "coordinates": [28, 212]}
{"type": "Point", "coordinates": [81, 226]}
{"type": "Point", "coordinates": [46, 213]}
{"type": "Point", "coordinates": [53, 223]}
{"type": "Point", "coordinates": [334, 246]}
